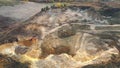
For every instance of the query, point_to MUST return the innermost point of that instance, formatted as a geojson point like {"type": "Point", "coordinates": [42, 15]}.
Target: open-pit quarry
{"type": "Point", "coordinates": [74, 36]}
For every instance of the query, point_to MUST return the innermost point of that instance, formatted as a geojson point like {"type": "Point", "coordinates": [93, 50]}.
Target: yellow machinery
{"type": "Point", "coordinates": [59, 5]}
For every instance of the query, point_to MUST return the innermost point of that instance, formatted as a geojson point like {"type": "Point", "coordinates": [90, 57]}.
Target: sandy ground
{"type": "Point", "coordinates": [21, 12]}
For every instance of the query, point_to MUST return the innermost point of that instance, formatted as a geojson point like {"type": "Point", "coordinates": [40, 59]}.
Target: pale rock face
{"type": "Point", "coordinates": [8, 49]}
{"type": "Point", "coordinates": [33, 53]}
{"type": "Point", "coordinates": [93, 44]}
{"type": "Point", "coordinates": [57, 61]}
